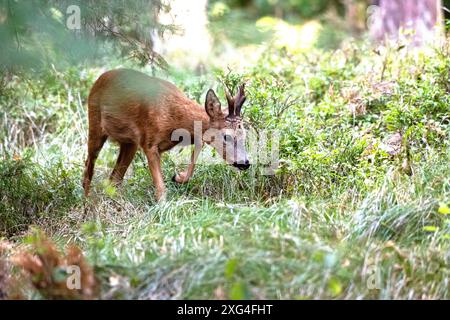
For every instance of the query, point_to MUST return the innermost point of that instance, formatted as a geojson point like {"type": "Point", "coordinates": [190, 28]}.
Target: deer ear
{"type": "Point", "coordinates": [212, 105]}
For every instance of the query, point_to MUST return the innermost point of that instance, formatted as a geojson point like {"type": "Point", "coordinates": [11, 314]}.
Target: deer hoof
{"type": "Point", "coordinates": [162, 198]}
{"type": "Point", "coordinates": [180, 178]}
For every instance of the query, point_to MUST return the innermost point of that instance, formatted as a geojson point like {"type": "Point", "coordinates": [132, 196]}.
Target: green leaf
{"type": "Point", "coordinates": [89, 228]}
{"type": "Point", "coordinates": [335, 286]}
{"type": "Point", "coordinates": [443, 208]}
{"type": "Point", "coordinates": [238, 291]}
{"type": "Point", "coordinates": [430, 228]}
{"type": "Point", "coordinates": [230, 268]}
{"type": "Point", "coordinates": [110, 190]}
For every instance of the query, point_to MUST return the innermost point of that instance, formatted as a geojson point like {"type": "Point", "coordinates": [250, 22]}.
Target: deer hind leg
{"type": "Point", "coordinates": [154, 164]}
{"type": "Point", "coordinates": [95, 144]}
{"type": "Point", "coordinates": [126, 155]}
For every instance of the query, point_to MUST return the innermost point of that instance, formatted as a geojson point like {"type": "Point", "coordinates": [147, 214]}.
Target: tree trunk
{"type": "Point", "coordinates": [416, 20]}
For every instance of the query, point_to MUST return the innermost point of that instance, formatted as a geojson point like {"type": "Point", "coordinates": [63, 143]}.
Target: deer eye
{"type": "Point", "coordinates": [227, 138]}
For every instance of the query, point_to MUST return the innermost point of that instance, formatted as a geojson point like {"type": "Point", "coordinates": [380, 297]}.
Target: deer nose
{"type": "Point", "coordinates": [242, 166]}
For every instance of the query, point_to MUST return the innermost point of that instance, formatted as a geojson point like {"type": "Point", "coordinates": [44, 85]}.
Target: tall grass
{"type": "Point", "coordinates": [343, 217]}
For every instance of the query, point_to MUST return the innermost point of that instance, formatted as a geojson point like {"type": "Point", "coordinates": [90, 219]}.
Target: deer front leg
{"type": "Point", "coordinates": [154, 164]}
{"type": "Point", "coordinates": [184, 176]}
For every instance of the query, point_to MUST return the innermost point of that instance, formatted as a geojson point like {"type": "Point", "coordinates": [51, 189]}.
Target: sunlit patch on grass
{"type": "Point", "coordinates": [296, 38]}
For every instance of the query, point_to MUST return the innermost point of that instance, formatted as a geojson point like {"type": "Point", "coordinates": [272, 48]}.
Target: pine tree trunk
{"type": "Point", "coordinates": [417, 20]}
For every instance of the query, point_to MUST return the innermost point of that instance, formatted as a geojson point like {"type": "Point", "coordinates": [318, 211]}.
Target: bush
{"type": "Point", "coordinates": [31, 194]}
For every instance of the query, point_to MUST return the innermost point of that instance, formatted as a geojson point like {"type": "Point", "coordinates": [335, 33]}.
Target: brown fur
{"type": "Point", "coordinates": [139, 111]}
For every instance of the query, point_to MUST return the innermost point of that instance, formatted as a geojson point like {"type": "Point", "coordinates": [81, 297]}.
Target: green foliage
{"type": "Point", "coordinates": [35, 35]}
{"type": "Point", "coordinates": [304, 8]}
{"type": "Point", "coordinates": [239, 27]}
{"type": "Point", "coordinates": [347, 197]}
{"type": "Point", "coordinates": [31, 194]}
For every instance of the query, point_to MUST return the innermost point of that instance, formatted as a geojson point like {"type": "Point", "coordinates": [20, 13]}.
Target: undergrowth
{"type": "Point", "coordinates": [356, 208]}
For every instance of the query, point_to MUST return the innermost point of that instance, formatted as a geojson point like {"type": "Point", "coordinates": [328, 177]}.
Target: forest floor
{"type": "Point", "coordinates": [357, 208]}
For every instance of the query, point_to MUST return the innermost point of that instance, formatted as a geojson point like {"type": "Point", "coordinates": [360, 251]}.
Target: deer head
{"type": "Point", "coordinates": [226, 131]}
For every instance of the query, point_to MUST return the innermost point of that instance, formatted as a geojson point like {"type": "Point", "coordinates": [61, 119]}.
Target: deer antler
{"type": "Point", "coordinates": [239, 100]}
{"type": "Point", "coordinates": [230, 100]}
{"type": "Point", "coordinates": [235, 103]}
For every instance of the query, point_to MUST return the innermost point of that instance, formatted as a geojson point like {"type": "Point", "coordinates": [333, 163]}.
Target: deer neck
{"type": "Point", "coordinates": [196, 120]}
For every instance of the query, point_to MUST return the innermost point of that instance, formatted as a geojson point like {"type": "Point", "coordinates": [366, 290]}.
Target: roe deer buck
{"type": "Point", "coordinates": [137, 110]}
